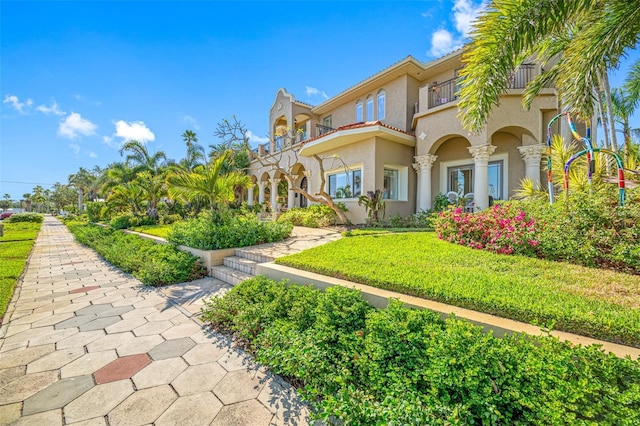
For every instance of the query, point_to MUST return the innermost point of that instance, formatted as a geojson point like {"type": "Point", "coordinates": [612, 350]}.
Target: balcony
{"type": "Point", "coordinates": [446, 92]}
{"type": "Point", "coordinates": [321, 130]}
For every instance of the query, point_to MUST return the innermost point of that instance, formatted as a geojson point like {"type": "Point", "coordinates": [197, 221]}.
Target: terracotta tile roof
{"type": "Point", "coordinates": [356, 126]}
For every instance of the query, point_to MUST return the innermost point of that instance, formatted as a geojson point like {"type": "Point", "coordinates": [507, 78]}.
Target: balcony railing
{"type": "Point", "coordinates": [321, 130]}
{"type": "Point", "coordinates": [447, 91]}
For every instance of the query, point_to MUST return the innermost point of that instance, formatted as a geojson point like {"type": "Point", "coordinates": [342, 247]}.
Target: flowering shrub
{"type": "Point", "coordinates": [503, 229]}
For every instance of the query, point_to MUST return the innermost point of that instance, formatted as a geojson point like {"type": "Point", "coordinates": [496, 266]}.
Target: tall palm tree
{"type": "Point", "coordinates": [85, 182]}
{"type": "Point", "coordinates": [139, 156]}
{"type": "Point", "coordinates": [27, 201]}
{"type": "Point", "coordinates": [207, 182]}
{"type": "Point", "coordinates": [153, 189]}
{"type": "Point", "coordinates": [510, 31]}
{"type": "Point", "coordinates": [195, 152]}
{"type": "Point", "coordinates": [623, 107]}
{"type": "Point", "coordinates": [126, 196]}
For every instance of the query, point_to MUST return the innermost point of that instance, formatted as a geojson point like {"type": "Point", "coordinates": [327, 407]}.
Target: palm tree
{"type": "Point", "coordinates": [27, 201]}
{"type": "Point", "coordinates": [623, 107]}
{"type": "Point", "coordinates": [85, 182]}
{"type": "Point", "coordinates": [138, 154]}
{"type": "Point", "coordinates": [153, 189]}
{"type": "Point", "coordinates": [207, 182]}
{"type": "Point", "coordinates": [126, 196]}
{"type": "Point", "coordinates": [510, 31]}
{"type": "Point", "coordinates": [195, 151]}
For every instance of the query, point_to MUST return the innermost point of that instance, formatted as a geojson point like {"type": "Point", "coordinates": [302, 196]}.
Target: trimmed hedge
{"type": "Point", "coordinates": [358, 365]}
{"type": "Point", "coordinates": [226, 230]}
{"type": "Point", "coordinates": [153, 264]}
{"type": "Point", "coordinates": [314, 216]}
{"type": "Point", "coordinates": [25, 217]}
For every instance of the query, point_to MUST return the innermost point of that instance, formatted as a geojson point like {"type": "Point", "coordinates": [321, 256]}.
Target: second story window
{"type": "Point", "coordinates": [370, 108]}
{"type": "Point", "coordinates": [381, 105]}
{"type": "Point", "coordinates": [358, 111]}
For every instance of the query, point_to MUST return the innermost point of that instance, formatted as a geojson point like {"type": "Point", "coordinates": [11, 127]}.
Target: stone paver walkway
{"type": "Point", "coordinates": [83, 343]}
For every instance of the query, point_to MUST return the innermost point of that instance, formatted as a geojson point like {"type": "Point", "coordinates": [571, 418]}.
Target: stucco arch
{"type": "Point", "coordinates": [524, 135]}
{"type": "Point", "coordinates": [433, 149]}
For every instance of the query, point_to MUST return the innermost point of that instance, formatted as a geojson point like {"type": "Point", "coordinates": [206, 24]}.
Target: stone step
{"type": "Point", "coordinates": [241, 264]}
{"type": "Point", "coordinates": [229, 275]}
{"type": "Point", "coordinates": [254, 255]}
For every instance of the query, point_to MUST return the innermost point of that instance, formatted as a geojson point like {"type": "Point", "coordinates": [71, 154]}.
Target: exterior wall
{"type": "Point", "coordinates": [451, 150]}
{"type": "Point", "coordinates": [508, 143]}
{"type": "Point", "coordinates": [393, 154]}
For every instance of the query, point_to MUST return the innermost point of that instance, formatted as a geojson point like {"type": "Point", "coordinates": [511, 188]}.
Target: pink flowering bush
{"type": "Point", "coordinates": [503, 228]}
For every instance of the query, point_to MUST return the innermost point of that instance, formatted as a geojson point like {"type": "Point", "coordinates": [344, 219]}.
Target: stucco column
{"type": "Point", "coordinates": [481, 156]}
{"type": "Point", "coordinates": [250, 195]}
{"type": "Point", "coordinates": [274, 194]}
{"type": "Point", "coordinates": [261, 186]}
{"type": "Point", "coordinates": [291, 201]}
{"type": "Point", "coordinates": [423, 166]}
{"type": "Point", "coordinates": [532, 154]}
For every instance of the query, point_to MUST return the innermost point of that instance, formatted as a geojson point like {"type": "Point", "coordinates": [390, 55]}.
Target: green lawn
{"type": "Point", "coordinates": [15, 247]}
{"type": "Point", "coordinates": [157, 230]}
{"type": "Point", "coordinates": [598, 303]}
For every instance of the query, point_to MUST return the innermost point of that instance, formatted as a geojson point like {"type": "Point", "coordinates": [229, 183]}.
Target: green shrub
{"type": "Point", "coordinates": [153, 264]}
{"type": "Point", "coordinates": [314, 216]}
{"type": "Point", "coordinates": [170, 218]}
{"type": "Point", "coordinates": [94, 210]}
{"type": "Point", "coordinates": [122, 221]}
{"type": "Point", "coordinates": [25, 217]}
{"type": "Point", "coordinates": [226, 230]}
{"type": "Point", "coordinates": [357, 365]}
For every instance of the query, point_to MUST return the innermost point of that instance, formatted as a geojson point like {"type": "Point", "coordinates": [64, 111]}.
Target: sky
{"type": "Point", "coordinates": [80, 78]}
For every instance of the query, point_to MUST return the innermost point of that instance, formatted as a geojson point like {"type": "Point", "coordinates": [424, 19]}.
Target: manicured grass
{"type": "Point", "coordinates": [593, 302]}
{"type": "Point", "coordinates": [20, 231]}
{"type": "Point", "coordinates": [379, 231]}
{"type": "Point", "coordinates": [15, 247]}
{"type": "Point", "coordinates": [157, 230]}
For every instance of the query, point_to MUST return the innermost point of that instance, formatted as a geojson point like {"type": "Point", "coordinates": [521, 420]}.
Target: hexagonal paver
{"type": "Point", "coordinates": [191, 410]}
{"type": "Point", "coordinates": [98, 401]}
{"type": "Point", "coordinates": [25, 386]}
{"type": "Point", "coordinates": [94, 309]}
{"type": "Point", "coordinates": [121, 368]}
{"type": "Point", "coordinates": [10, 374]}
{"type": "Point", "coordinates": [11, 412]}
{"type": "Point", "coordinates": [139, 345]}
{"type": "Point", "coordinates": [57, 395]}
{"type": "Point", "coordinates": [152, 327]}
{"type": "Point", "coordinates": [100, 323]}
{"type": "Point", "coordinates": [55, 360]}
{"type": "Point", "coordinates": [281, 399]}
{"type": "Point", "coordinates": [115, 311]}
{"type": "Point", "coordinates": [198, 378]}
{"type": "Point", "coordinates": [125, 325]}
{"type": "Point", "coordinates": [236, 359]}
{"type": "Point", "coordinates": [80, 340]}
{"type": "Point", "coordinates": [143, 407]}
{"type": "Point", "coordinates": [182, 330]}
{"type": "Point", "coordinates": [76, 321]}
{"type": "Point", "coordinates": [243, 413]}
{"type": "Point", "coordinates": [88, 363]}
{"type": "Point", "coordinates": [53, 337]}
{"type": "Point", "coordinates": [239, 386]}
{"type": "Point", "coordinates": [49, 418]}
{"type": "Point", "coordinates": [110, 341]}
{"type": "Point", "coordinates": [159, 373]}
{"type": "Point", "coordinates": [204, 353]}
{"type": "Point", "coordinates": [171, 348]}
{"type": "Point", "coordinates": [24, 356]}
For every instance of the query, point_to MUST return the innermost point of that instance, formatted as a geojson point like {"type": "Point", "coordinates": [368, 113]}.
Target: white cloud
{"type": "Point", "coordinates": [76, 149]}
{"type": "Point", "coordinates": [135, 130]}
{"type": "Point", "coordinates": [254, 138]}
{"type": "Point", "coordinates": [312, 91]}
{"type": "Point", "coordinates": [443, 42]}
{"type": "Point", "coordinates": [93, 154]}
{"type": "Point", "coordinates": [53, 109]}
{"type": "Point", "coordinates": [191, 121]}
{"type": "Point", "coordinates": [16, 104]}
{"type": "Point", "coordinates": [464, 13]}
{"type": "Point", "coordinates": [74, 125]}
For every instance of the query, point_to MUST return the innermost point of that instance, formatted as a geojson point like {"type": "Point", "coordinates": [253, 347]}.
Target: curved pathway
{"type": "Point", "coordinates": [83, 343]}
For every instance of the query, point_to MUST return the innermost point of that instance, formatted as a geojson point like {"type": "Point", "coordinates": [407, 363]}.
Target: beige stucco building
{"type": "Point", "coordinates": [397, 131]}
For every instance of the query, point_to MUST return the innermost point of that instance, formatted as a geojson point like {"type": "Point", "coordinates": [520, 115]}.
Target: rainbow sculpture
{"type": "Point", "coordinates": [589, 152]}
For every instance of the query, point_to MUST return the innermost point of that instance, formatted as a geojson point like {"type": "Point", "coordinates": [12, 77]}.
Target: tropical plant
{"type": "Point", "coordinates": [139, 156]}
{"type": "Point", "coordinates": [207, 182]}
{"type": "Point", "coordinates": [510, 31]}
{"type": "Point", "coordinates": [85, 181]}
{"type": "Point", "coordinates": [153, 189]}
{"type": "Point", "coordinates": [373, 202]}
{"type": "Point", "coordinates": [195, 152]}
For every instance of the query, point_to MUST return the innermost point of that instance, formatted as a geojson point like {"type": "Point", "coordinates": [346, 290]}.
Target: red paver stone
{"type": "Point", "coordinates": [121, 368]}
{"type": "Point", "coordinates": [83, 289]}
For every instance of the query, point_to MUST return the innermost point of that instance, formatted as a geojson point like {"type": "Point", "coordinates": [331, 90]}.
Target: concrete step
{"type": "Point", "coordinates": [229, 275]}
{"type": "Point", "coordinates": [241, 264]}
{"type": "Point", "coordinates": [255, 256]}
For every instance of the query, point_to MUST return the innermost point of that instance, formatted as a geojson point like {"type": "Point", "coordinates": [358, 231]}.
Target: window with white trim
{"type": "Point", "coordinates": [358, 111]}
{"type": "Point", "coordinates": [395, 182]}
{"type": "Point", "coordinates": [345, 184]}
{"type": "Point", "coordinates": [370, 108]}
{"type": "Point", "coordinates": [460, 179]}
{"type": "Point", "coordinates": [381, 105]}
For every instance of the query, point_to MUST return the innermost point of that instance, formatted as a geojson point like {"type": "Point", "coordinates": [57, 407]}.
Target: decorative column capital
{"type": "Point", "coordinates": [532, 153]}
{"type": "Point", "coordinates": [275, 181]}
{"type": "Point", "coordinates": [424, 162]}
{"type": "Point", "coordinates": [307, 174]}
{"type": "Point", "coordinates": [481, 153]}
{"type": "Point", "coordinates": [263, 183]}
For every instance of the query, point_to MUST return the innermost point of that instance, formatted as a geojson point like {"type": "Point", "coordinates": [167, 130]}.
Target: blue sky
{"type": "Point", "coordinates": [77, 79]}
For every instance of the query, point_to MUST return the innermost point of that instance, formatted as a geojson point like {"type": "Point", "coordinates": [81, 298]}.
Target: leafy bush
{"type": "Point", "coordinates": [25, 217]}
{"type": "Point", "coordinates": [123, 221]}
{"type": "Point", "coordinates": [314, 216]}
{"type": "Point", "coordinates": [423, 219]}
{"type": "Point", "coordinates": [94, 210]}
{"type": "Point", "coordinates": [153, 264]}
{"type": "Point", "coordinates": [226, 230]}
{"type": "Point", "coordinates": [170, 218]}
{"type": "Point", "coordinates": [357, 365]}
{"type": "Point", "coordinates": [501, 229]}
